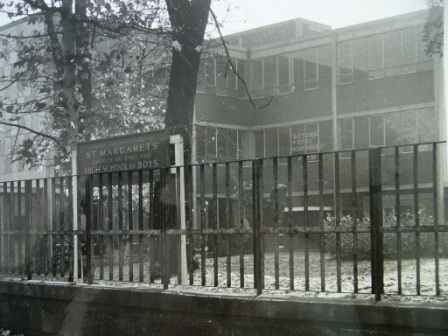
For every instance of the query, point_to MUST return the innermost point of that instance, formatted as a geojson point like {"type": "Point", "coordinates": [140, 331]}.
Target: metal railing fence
{"type": "Point", "coordinates": [362, 221]}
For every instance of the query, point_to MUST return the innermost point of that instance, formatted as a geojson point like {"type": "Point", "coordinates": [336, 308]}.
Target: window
{"type": "Point", "coordinates": [376, 131]}
{"type": "Point", "coordinates": [345, 60]}
{"type": "Point", "coordinates": [284, 75]}
{"type": "Point", "coordinates": [206, 142]}
{"type": "Point", "coordinates": [257, 83]}
{"type": "Point", "coordinates": [346, 134]}
{"type": "Point", "coordinates": [427, 125]}
{"type": "Point", "coordinates": [270, 74]}
{"type": "Point", "coordinates": [305, 139]}
{"type": "Point", "coordinates": [231, 76]}
{"type": "Point", "coordinates": [221, 73]}
{"type": "Point", "coordinates": [311, 72]}
{"type": "Point", "coordinates": [376, 57]}
{"type": "Point", "coordinates": [284, 141]}
{"type": "Point", "coordinates": [271, 142]}
{"type": "Point", "coordinates": [392, 52]}
{"type": "Point", "coordinates": [259, 144]}
{"type": "Point", "coordinates": [409, 50]}
{"type": "Point", "coordinates": [241, 68]}
{"type": "Point", "coordinates": [210, 73]}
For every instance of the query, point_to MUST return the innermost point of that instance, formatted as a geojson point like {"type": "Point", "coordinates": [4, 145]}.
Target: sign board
{"type": "Point", "coordinates": [124, 153]}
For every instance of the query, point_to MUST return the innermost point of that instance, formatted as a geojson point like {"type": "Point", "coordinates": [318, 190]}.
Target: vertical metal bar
{"type": "Point", "coordinates": [88, 208]}
{"type": "Point", "coordinates": [101, 225]}
{"type": "Point", "coordinates": [20, 227]}
{"type": "Point", "coordinates": [257, 193]}
{"type": "Point", "coordinates": [241, 219]}
{"type": "Point", "coordinates": [190, 215]}
{"type": "Point", "coordinates": [165, 179]}
{"type": "Point", "coordinates": [355, 221]}
{"type": "Point", "coordinates": [110, 210]}
{"type": "Point", "coordinates": [131, 228]}
{"type": "Point", "coordinates": [435, 186]}
{"type": "Point", "coordinates": [398, 217]}
{"type": "Point", "coordinates": [12, 229]}
{"type": "Point", "coordinates": [306, 218]}
{"type": "Point", "coordinates": [120, 226]}
{"type": "Point", "coordinates": [290, 224]}
{"type": "Point", "coordinates": [150, 225]}
{"type": "Point", "coordinates": [3, 235]}
{"type": "Point", "coordinates": [338, 221]}
{"type": "Point", "coordinates": [47, 229]}
{"type": "Point", "coordinates": [215, 215]}
{"type": "Point", "coordinates": [376, 222]}
{"type": "Point", "coordinates": [276, 220]}
{"type": "Point", "coordinates": [3, 230]}
{"type": "Point", "coordinates": [140, 225]}
{"type": "Point", "coordinates": [54, 229]}
{"type": "Point", "coordinates": [62, 227]}
{"type": "Point", "coordinates": [203, 236]}
{"type": "Point", "coordinates": [71, 233]}
{"type": "Point", "coordinates": [417, 220]}
{"type": "Point", "coordinates": [321, 222]}
{"type": "Point", "coordinates": [28, 201]}
{"type": "Point", "coordinates": [229, 237]}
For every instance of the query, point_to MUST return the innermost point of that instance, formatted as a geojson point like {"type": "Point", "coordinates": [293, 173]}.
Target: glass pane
{"type": "Point", "coordinates": [232, 144]}
{"type": "Point", "coordinates": [376, 52]}
{"type": "Point", "coordinates": [376, 131]}
{"type": "Point", "coordinates": [346, 133]}
{"type": "Point", "coordinates": [257, 75]}
{"type": "Point", "coordinates": [310, 57]}
{"type": "Point", "coordinates": [298, 143]}
{"type": "Point", "coordinates": [408, 130]}
{"type": "Point", "coordinates": [427, 125]}
{"type": "Point", "coordinates": [259, 144]}
{"type": "Point", "coordinates": [210, 73]}
{"type": "Point", "coordinates": [270, 72]}
{"type": "Point", "coordinates": [345, 58]}
{"type": "Point", "coordinates": [408, 46]}
{"type": "Point", "coordinates": [393, 126]}
{"type": "Point", "coordinates": [284, 141]}
{"type": "Point", "coordinates": [392, 49]}
{"type": "Point", "coordinates": [271, 142]}
{"type": "Point", "coordinates": [312, 142]}
{"type": "Point", "coordinates": [283, 70]}
{"type": "Point", "coordinates": [231, 76]}
{"type": "Point", "coordinates": [221, 73]}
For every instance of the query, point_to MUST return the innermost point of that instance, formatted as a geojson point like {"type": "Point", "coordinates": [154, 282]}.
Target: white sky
{"type": "Point", "coordinates": [248, 14]}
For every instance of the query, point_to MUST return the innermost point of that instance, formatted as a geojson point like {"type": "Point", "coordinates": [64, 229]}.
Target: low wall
{"type": "Point", "coordinates": [37, 308]}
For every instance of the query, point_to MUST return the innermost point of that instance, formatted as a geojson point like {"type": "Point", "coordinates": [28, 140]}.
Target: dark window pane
{"type": "Point", "coordinates": [271, 142]}
{"type": "Point", "coordinates": [284, 139]}
{"type": "Point", "coordinates": [376, 131]}
{"type": "Point", "coordinates": [346, 133]}
{"type": "Point", "coordinates": [259, 144]}
{"type": "Point", "coordinates": [283, 70]}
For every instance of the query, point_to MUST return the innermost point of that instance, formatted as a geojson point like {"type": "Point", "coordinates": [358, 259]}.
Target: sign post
{"type": "Point", "coordinates": [178, 143]}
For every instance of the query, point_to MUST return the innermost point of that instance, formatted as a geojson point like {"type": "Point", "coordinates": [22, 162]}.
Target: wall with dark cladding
{"type": "Point", "coordinates": [57, 309]}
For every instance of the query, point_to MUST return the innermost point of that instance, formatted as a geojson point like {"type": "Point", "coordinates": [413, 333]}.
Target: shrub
{"type": "Point", "coordinates": [391, 241]}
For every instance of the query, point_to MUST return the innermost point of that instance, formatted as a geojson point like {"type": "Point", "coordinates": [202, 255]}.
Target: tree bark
{"type": "Point", "coordinates": [188, 21]}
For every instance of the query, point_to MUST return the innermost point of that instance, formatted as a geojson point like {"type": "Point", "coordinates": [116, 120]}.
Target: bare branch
{"type": "Point", "coordinates": [233, 68]}
{"type": "Point", "coordinates": [30, 130]}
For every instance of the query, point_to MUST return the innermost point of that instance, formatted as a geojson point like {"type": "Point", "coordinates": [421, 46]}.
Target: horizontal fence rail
{"type": "Point", "coordinates": [358, 222]}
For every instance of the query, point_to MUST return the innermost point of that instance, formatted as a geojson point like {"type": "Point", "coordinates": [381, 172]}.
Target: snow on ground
{"type": "Point", "coordinates": [318, 286]}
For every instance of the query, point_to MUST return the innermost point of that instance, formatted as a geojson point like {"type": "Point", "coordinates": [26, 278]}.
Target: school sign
{"type": "Point", "coordinates": [124, 153]}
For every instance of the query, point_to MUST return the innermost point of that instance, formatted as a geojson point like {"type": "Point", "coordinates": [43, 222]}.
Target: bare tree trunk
{"type": "Point", "coordinates": [188, 21]}
{"type": "Point", "coordinates": [69, 82]}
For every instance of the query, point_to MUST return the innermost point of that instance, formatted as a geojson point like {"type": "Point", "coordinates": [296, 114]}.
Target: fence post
{"type": "Point", "coordinates": [257, 219]}
{"type": "Point", "coordinates": [376, 222]}
{"type": "Point", "coordinates": [88, 208]}
{"type": "Point", "coordinates": [28, 194]}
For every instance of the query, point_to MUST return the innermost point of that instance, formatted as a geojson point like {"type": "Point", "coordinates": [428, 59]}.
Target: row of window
{"type": "Point", "coordinates": [388, 54]}
{"type": "Point", "coordinates": [399, 128]}
{"type": "Point", "coordinates": [376, 56]}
